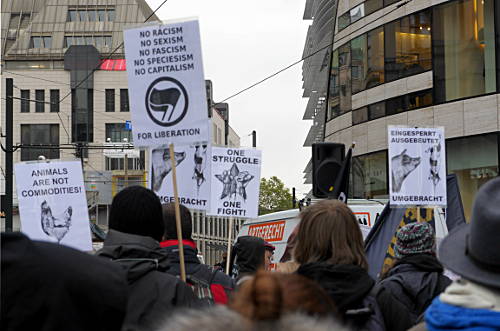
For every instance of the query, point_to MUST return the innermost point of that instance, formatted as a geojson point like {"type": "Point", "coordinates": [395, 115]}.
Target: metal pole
{"type": "Point", "coordinates": [294, 198]}
{"type": "Point", "coordinates": [126, 169]}
{"type": "Point", "coordinates": [9, 131]}
{"type": "Point", "coordinates": [254, 138]}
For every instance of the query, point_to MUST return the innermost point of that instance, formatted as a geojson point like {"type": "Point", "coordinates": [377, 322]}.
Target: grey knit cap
{"type": "Point", "coordinates": [415, 238]}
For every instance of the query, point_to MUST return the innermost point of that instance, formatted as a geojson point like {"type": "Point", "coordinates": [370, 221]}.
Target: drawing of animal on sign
{"type": "Point", "coordinates": [192, 174]}
{"type": "Point", "coordinates": [235, 182]}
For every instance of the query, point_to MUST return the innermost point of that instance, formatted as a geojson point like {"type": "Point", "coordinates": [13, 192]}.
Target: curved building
{"type": "Point", "coordinates": [414, 63]}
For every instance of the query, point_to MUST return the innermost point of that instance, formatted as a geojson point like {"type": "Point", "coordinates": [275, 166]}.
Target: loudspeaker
{"type": "Point", "coordinates": [327, 161]}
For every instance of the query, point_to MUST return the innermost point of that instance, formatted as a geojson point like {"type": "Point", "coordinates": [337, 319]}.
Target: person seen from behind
{"type": "Point", "coordinates": [330, 251]}
{"type": "Point", "coordinates": [268, 256]}
{"type": "Point", "coordinates": [247, 256]}
{"type": "Point", "coordinates": [211, 285]}
{"type": "Point", "coordinates": [136, 227]}
{"type": "Point", "coordinates": [416, 277]}
{"type": "Point", "coordinates": [471, 251]}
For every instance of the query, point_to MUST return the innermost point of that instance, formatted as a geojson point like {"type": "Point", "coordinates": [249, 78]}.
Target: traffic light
{"type": "Point", "coordinates": [327, 161]}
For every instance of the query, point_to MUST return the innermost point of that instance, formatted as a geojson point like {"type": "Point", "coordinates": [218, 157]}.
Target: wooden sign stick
{"type": "Point", "coordinates": [229, 240]}
{"type": "Point", "coordinates": [177, 214]}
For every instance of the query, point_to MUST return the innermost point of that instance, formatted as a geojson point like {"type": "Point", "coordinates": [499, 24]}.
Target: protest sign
{"type": "Point", "coordinates": [417, 165]}
{"type": "Point", "coordinates": [193, 175]}
{"type": "Point", "coordinates": [166, 84]}
{"type": "Point", "coordinates": [235, 182]}
{"type": "Point", "coordinates": [52, 203]}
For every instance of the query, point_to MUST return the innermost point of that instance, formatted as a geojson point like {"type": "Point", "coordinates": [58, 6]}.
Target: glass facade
{"type": "Point", "coordinates": [475, 161]}
{"type": "Point", "coordinates": [39, 134]}
{"type": "Point", "coordinates": [369, 176]}
{"type": "Point", "coordinates": [334, 96]}
{"type": "Point", "coordinates": [464, 49]}
{"type": "Point", "coordinates": [408, 46]}
{"type": "Point", "coordinates": [117, 132]}
{"type": "Point", "coordinates": [345, 78]}
{"type": "Point", "coordinates": [359, 64]}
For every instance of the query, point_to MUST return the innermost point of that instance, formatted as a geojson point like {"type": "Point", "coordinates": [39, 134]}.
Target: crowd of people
{"type": "Point", "coordinates": [134, 283]}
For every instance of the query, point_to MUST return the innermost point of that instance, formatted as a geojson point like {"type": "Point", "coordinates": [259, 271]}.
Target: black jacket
{"type": "Point", "coordinates": [247, 256]}
{"type": "Point", "coordinates": [51, 287]}
{"type": "Point", "coordinates": [153, 294]}
{"type": "Point", "coordinates": [194, 268]}
{"type": "Point", "coordinates": [415, 281]}
{"type": "Point", "coordinates": [352, 290]}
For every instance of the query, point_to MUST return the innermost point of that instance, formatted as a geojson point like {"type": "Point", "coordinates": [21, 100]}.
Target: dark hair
{"type": "Point", "coordinates": [270, 295]}
{"type": "Point", "coordinates": [329, 232]}
{"type": "Point", "coordinates": [137, 210]}
{"type": "Point", "coordinates": [169, 221]}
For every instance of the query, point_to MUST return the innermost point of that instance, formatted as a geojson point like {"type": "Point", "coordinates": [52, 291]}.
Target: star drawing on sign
{"type": "Point", "coordinates": [234, 182]}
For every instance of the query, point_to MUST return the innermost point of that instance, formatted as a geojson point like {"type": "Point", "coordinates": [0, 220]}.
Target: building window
{"type": "Point", "coordinates": [375, 58]}
{"type": "Point", "coordinates": [47, 134]}
{"type": "Point", "coordinates": [474, 160]}
{"type": "Point", "coordinates": [41, 42]}
{"type": "Point", "coordinates": [91, 15]}
{"type": "Point", "coordinates": [372, 6]}
{"type": "Point", "coordinates": [95, 40]}
{"type": "Point", "coordinates": [334, 98]}
{"type": "Point", "coordinates": [359, 63]}
{"type": "Point", "coordinates": [357, 13]}
{"type": "Point", "coordinates": [54, 101]}
{"type": "Point", "coordinates": [376, 110]}
{"type": "Point", "coordinates": [408, 46]}
{"type": "Point", "coordinates": [110, 100]}
{"type": "Point", "coordinates": [40, 101]}
{"type": "Point", "coordinates": [124, 105]}
{"type": "Point", "coordinates": [464, 49]}
{"type": "Point", "coordinates": [359, 115]}
{"type": "Point", "coordinates": [344, 21]}
{"type": "Point", "coordinates": [409, 102]}
{"type": "Point", "coordinates": [118, 163]}
{"type": "Point", "coordinates": [345, 77]}
{"type": "Point", "coordinates": [25, 101]}
{"type": "Point", "coordinates": [116, 132]}
{"type": "Point", "coordinates": [18, 20]}
{"type": "Point", "coordinates": [369, 176]}
{"type": "Point", "coordinates": [82, 115]}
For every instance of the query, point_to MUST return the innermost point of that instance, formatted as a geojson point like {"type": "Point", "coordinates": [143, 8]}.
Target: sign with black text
{"type": "Point", "coordinates": [166, 84]}
{"type": "Point", "coordinates": [193, 175]}
{"type": "Point", "coordinates": [417, 166]}
{"type": "Point", "coordinates": [53, 204]}
{"type": "Point", "coordinates": [235, 178]}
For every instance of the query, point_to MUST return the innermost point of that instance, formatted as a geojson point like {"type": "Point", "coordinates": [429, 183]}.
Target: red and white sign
{"type": "Point", "coordinates": [272, 231]}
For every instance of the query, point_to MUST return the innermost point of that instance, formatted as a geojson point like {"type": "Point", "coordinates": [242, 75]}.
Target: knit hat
{"type": "Point", "coordinates": [414, 238]}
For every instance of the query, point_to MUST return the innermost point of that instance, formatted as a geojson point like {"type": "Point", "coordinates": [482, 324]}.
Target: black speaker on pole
{"type": "Point", "coordinates": [327, 161]}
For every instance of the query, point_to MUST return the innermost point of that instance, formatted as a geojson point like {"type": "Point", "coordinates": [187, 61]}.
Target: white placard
{"type": "Point", "coordinates": [193, 175]}
{"type": "Point", "coordinates": [417, 166]}
{"type": "Point", "coordinates": [167, 90]}
{"type": "Point", "coordinates": [235, 182]}
{"type": "Point", "coordinates": [52, 203]}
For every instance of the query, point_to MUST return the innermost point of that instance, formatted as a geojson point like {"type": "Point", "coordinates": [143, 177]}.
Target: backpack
{"type": "Point", "coordinates": [201, 282]}
{"type": "Point", "coordinates": [368, 316]}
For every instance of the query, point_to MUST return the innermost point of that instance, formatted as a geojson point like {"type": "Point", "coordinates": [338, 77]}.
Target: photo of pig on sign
{"type": "Point", "coordinates": [166, 84]}
{"type": "Point", "coordinates": [193, 175]}
{"type": "Point", "coordinates": [417, 166]}
{"type": "Point", "coordinates": [52, 203]}
{"type": "Point", "coordinates": [235, 182]}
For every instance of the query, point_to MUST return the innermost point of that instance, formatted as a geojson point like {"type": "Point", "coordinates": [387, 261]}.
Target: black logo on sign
{"type": "Point", "coordinates": [166, 101]}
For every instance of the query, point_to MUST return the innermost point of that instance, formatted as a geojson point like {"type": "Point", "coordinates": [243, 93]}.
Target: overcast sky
{"type": "Point", "coordinates": [243, 42]}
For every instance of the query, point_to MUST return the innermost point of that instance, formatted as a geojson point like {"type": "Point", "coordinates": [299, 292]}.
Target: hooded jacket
{"type": "Point", "coordinates": [153, 294]}
{"type": "Point", "coordinates": [414, 281]}
{"type": "Point", "coordinates": [352, 290]}
{"type": "Point", "coordinates": [50, 287]}
{"type": "Point", "coordinates": [247, 256]}
{"type": "Point", "coordinates": [220, 283]}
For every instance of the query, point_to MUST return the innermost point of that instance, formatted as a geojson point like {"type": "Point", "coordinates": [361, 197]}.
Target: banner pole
{"type": "Point", "coordinates": [177, 214]}
{"type": "Point", "coordinates": [229, 240]}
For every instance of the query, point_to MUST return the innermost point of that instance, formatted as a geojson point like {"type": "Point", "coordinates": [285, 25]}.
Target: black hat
{"type": "Point", "coordinates": [473, 250]}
